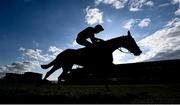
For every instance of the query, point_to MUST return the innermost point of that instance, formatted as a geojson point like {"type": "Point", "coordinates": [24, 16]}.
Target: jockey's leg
{"type": "Point", "coordinates": [85, 43]}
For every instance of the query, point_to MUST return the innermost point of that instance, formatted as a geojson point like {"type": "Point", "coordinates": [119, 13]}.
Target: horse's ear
{"type": "Point", "coordinates": [129, 34]}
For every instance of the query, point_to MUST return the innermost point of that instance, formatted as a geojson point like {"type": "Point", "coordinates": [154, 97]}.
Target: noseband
{"type": "Point", "coordinates": [123, 51]}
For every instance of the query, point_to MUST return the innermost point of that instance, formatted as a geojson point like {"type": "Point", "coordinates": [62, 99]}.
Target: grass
{"type": "Point", "coordinates": [91, 94]}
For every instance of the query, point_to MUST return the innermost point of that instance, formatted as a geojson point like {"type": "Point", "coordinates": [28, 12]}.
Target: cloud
{"type": "Point", "coordinates": [177, 12]}
{"type": "Point", "coordinates": [129, 23]}
{"type": "Point", "coordinates": [173, 22]}
{"type": "Point", "coordinates": [175, 1]}
{"type": "Point", "coordinates": [149, 3]}
{"type": "Point", "coordinates": [25, 65]}
{"type": "Point", "coordinates": [117, 4]}
{"type": "Point", "coordinates": [18, 67]}
{"type": "Point", "coordinates": [136, 5]}
{"type": "Point", "coordinates": [54, 50]}
{"type": "Point", "coordinates": [31, 60]}
{"type": "Point", "coordinates": [93, 16]}
{"type": "Point", "coordinates": [161, 45]}
{"type": "Point", "coordinates": [118, 57]}
{"type": "Point", "coordinates": [37, 54]}
{"type": "Point", "coordinates": [144, 23]}
{"type": "Point", "coordinates": [163, 5]}
{"type": "Point", "coordinates": [75, 43]}
{"type": "Point", "coordinates": [34, 54]}
{"type": "Point", "coordinates": [109, 20]}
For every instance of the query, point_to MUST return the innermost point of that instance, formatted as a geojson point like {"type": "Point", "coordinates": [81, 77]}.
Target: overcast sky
{"type": "Point", "coordinates": [33, 32]}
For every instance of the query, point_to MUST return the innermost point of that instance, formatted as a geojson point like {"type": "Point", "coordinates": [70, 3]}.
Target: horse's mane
{"type": "Point", "coordinates": [123, 36]}
{"type": "Point", "coordinates": [100, 44]}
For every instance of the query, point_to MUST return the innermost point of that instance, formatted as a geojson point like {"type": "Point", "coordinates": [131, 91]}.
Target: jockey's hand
{"type": "Point", "coordinates": [99, 40]}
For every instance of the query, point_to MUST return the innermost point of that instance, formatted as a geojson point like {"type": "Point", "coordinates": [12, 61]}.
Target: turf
{"type": "Point", "coordinates": [127, 94]}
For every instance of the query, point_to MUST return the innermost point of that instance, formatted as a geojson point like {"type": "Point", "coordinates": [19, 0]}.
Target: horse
{"type": "Point", "coordinates": [97, 56]}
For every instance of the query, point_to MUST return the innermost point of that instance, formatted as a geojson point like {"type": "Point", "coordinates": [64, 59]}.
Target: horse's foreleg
{"type": "Point", "coordinates": [106, 85]}
{"type": "Point", "coordinates": [107, 72]}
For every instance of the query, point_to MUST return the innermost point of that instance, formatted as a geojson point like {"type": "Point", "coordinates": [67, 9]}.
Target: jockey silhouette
{"type": "Point", "coordinates": [89, 32]}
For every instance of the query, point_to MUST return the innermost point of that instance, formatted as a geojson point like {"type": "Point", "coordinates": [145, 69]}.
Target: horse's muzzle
{"type": "Point", "coordinates": [138, 53]}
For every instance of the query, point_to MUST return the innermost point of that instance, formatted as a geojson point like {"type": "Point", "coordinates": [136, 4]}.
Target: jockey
{"type": "Point", "coordinates": [89, 33]}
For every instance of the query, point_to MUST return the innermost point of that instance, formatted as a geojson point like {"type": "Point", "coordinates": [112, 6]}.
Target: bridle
{"type": "Point", "coordinates": [123, 51]}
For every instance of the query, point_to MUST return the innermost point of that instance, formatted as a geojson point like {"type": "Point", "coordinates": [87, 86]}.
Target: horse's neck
{"type": "Point", "coordinates": [115, 43]}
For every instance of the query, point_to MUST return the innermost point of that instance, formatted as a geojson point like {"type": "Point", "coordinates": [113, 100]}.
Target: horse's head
{"type": "Point", "coordinates": [131, 45]}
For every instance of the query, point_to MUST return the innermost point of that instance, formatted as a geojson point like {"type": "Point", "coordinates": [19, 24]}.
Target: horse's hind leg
{"type": "Point", "coordinates": [55, 62]}
{"type": "Point", "coordinates": [50, 72]}
{"type": "Point", "coordinates": [64, 73]}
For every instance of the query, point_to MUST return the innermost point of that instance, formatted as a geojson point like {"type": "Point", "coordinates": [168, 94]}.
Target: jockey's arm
{"type": "Point", "coordinates": [99, 40]}
{"type": "Point", "coordinates": [94, 39]}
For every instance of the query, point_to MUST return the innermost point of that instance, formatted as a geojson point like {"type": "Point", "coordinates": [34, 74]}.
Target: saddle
{"type": "Point", "coordinates": [90, 51]}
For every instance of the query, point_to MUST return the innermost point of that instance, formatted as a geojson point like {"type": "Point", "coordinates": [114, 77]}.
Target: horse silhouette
{"type": "Point", "coordinates": [97, 56]}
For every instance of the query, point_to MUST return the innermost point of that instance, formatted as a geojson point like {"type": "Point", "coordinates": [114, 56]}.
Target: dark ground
{"type": "Point", "coordinates": [143, 83]}
{"type": "Point", "coordinates": [91, 94]}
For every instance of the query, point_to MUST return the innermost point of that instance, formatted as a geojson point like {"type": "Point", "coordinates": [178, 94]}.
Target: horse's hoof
{"type": "Point", "coordinates": [59, 87]}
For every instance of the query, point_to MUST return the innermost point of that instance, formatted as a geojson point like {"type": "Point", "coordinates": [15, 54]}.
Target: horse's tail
{"type": "Point", "coordinates": [46, 66]}
{"type": "Point", "coordinates": [56, 62]}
